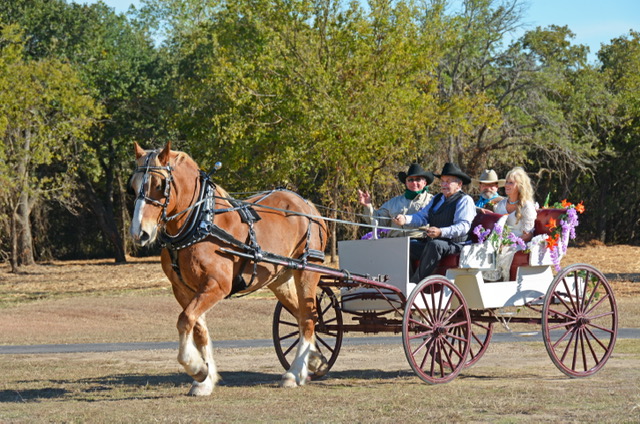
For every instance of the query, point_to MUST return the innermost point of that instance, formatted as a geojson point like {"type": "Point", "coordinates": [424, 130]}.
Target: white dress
{"type": "Point", "coordinates": [526, 224]}
{"type": "Point", "coordinates": [527, 221]}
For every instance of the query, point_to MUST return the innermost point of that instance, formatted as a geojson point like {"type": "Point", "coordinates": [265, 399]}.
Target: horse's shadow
{"type": "Point", "coordinates": [98, 388]}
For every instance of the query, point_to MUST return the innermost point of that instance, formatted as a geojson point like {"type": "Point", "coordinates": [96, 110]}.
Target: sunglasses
{"type": "Point", "coordinates": [416, 179]}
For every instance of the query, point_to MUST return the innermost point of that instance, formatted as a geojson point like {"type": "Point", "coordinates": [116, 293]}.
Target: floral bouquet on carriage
{"type": "Point", "coordinates": [561, 229]}
{"type": "Point", "coordinates": [548, 247]}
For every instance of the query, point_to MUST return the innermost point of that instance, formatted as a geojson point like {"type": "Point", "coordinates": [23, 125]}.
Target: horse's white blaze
{"type": "Point", "coordinates": [139, 226]}
{"type": "Point", "coordinates": [136, 219]}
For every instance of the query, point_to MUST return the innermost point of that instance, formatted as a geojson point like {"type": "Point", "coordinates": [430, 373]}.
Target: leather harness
{"type": "Point", "coordinates": [200, 224]}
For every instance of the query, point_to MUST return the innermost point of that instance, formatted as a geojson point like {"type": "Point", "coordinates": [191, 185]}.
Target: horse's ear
{"type": "Point", "coordinates": [163, 157]}
{"type": "Point", "coordinates": [139, 150]}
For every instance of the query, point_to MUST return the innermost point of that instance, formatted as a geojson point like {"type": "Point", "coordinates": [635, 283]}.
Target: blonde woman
{"type": "Point", "coordinates": [518, 204]}
{"type": "Point", "coordinates": [520, 211]}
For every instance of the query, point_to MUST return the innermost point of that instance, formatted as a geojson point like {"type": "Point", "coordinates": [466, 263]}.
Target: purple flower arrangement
{"type": "Point", "coordinates": [380, 232]}
{"type": "Point", "coordinates": [499, 237]}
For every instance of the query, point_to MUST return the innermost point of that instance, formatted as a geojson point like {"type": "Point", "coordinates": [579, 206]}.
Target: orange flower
{"type": "Point", "coordinates": [580, 207]}
{"type": "Point", "coordinates": [566, 204]}
{"type": "Point", "coordinates": [552, 224]}
{"type": "Point", "coordinates": [552, 242]}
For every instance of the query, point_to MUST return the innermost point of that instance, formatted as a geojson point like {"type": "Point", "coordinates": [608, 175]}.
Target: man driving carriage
{"type": "Point", "coordinates": [449, 215]}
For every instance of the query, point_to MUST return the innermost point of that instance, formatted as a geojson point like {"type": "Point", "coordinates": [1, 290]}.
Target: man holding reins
{"type": "Point", "coordinates": [449, 215]}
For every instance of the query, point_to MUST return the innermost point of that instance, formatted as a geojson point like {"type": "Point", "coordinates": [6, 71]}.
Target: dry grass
{"type": "Point", "coordinates": [97, 301]}
{"type": "Point", "coordinates": [513, 383]}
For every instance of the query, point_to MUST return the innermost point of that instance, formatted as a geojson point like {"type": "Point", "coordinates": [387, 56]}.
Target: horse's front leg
{"type": "Point", "coordinates": [204, 347]}
{"type": "Point", "coordinates": [195, 351]}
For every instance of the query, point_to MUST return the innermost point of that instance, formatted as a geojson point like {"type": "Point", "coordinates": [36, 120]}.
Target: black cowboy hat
{"type": "Point", "coordinates": [454, 171]}
{"type": "Point", "coordinates": [416, 170]}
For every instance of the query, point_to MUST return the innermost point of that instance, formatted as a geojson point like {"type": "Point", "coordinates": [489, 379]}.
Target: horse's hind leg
{"type": "Point", "coordinates": [307, 316]}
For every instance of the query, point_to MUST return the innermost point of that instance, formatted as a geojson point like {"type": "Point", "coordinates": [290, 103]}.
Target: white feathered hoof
{"type": "Point", "coordinates": [318, 365]}
{"type": "Point", "coordinates": [202, 389]}
{"type": "Point", "coordinates": [288, 381]}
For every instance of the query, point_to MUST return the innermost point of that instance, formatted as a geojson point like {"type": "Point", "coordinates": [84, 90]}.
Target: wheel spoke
{"type": "Point", "coordinates": [290, 348]}
{"type": "Point", "coordinates": [598, 303]}
{"type": "Point", "coordinates": [420, 324]}
{"type": "Point", "coordinates": [570, 295]}
{"type": "Point", "coordinates": [289, 335]}
{"type": "Point", "coordinates": [453, 349]}
{"type": "Point", "coordinates": [323, 343]}
{"type": "Point", "coordinates": [584, 301]}
{"type": "Point", "coordinates": [596, 339]}
{"type": "Point", "coordinates": [569, 343]}
{"type": "Point", "coordinates": [591, 349]}
{"type": "Point", "coordinates": [288, 323]}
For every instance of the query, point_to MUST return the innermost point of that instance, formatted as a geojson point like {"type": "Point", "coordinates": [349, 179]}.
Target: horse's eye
{"type": "Point", "coordinates": [129, 186]}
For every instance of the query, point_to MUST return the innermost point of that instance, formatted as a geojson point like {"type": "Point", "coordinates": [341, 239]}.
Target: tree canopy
{"type": "Point", "coordinates": [322, 96]}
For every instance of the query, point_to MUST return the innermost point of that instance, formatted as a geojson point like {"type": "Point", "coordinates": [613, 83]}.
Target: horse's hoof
{"type": "Point", "coordinates": [318, 364]}
{"type": "Point", "coordinates": [288, 381]}
{"type": "Point", "coordinates": [204, 388]}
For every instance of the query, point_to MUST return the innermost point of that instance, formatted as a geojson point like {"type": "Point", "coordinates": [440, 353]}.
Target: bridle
{"type": "Point", "coordinates": [147, 170]}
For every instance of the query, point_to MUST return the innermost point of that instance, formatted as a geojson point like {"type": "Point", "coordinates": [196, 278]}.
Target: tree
{"type": "Point", "coordinates": [45, 110]}
{"type": "Point", "coordinates": [116, 58]}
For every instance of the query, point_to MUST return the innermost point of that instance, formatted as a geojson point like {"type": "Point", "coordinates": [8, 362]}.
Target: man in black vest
{"type": "Point", "coordinates": [448, 215]}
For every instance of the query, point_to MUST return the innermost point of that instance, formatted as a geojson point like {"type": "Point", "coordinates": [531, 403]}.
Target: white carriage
{"type": "Point", "coordinates": [447, 319]}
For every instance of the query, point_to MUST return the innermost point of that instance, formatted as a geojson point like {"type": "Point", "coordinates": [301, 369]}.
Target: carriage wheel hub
{"type": "Point", "coordinates": [583, 321]}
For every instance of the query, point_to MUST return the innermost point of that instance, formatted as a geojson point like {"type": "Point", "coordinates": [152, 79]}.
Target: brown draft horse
{"type": "Point", "coordinates": [169, 187]}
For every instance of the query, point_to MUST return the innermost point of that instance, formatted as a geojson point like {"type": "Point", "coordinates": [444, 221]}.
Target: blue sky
{"type": "Point", "coordinates": [594, 22]}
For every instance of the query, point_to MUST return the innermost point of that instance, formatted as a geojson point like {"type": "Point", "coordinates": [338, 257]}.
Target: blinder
{"type": "Point", "coordinates": [164, 187]}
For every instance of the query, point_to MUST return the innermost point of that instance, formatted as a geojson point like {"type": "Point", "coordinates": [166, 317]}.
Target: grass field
{"type": "Point", "coordinates": [82, 302]}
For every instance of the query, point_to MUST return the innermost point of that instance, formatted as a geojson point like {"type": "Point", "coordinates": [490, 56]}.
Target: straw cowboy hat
{"type": "Point", "coordinates": [416, 170]}
{"type": "Point", "coordinates": [454, 171]}
{"type": "Point", "coordinates": [489, 176]}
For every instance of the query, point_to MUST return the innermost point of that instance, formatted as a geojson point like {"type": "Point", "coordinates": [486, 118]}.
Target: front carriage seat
{"type": "Point", "coordinates": [487, 220]}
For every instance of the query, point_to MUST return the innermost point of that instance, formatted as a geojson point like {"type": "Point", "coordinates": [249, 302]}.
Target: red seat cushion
{"type": "Point", "coordinates": [488, 220]}
{"type": "Point", "coordinates": [449, 261]}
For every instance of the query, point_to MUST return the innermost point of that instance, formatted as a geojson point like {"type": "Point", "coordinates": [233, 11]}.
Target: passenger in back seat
{"type": "Point", "coordinates": [415, 197]}
{"type": "Point", "coordinates": [521, 210]}
{"type": "Point", "coordinates": [449, 216]}
{"type": "Point", "coordinates": [518, 204]}
{"type": "Point", "coordinates": [488, 184]}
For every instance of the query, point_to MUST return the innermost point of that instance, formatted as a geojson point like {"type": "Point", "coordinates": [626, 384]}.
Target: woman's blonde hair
{"type": "Point", "coordinates": [525, 189]}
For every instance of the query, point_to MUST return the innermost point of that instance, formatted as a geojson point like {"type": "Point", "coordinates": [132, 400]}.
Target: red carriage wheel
{"type": "Point", "coordinates": [436, 330]}
{"type": "Point", "coordinates": [329, 331]}
{"type": "Point", "coordinates": [481, 333]}
{"type": "Point", "coordinates": [579, 320]}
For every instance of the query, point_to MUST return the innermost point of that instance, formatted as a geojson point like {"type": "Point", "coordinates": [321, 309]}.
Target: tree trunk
{"type": "Point", "coordinates": [23, 228]}
{"type": "Point", "coordinates": [13, 259]}
{"type": "Point", "coordinates": [106, 220]}
{"type": "Point", "coordinates": [602, 218]}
